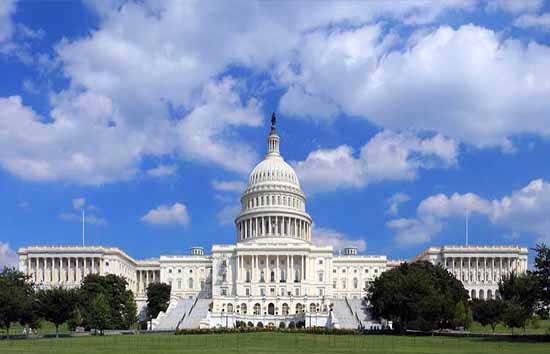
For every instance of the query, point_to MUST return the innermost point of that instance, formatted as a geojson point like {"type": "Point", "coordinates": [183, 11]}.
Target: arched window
{"type": "Point", "coordinates": [312, 308]}
{"type": "Point", "coordinates": [262, 276]}
{"type": "Point", "coordinates": [229, 308]}
{"type": "Point", "coordinates": [321, 276]}
{"type": "Point", "coordinates": [283, 276]}
{"type": "Point", "coordinates": [481, 294]}
{"type": "Point", "coordinates": [257, 309]}
{"type": "Point", "coordinates": [489, 294]}
{"type": "Point", "coordinates": [272, 277]}
{"type": "Point", "coordinates": [299, 308]}
{"type": "Point", "coordinates": [343, 283]}
{"type": "Point", "coordinates": [271, 309]}
{"type": "Point", "coordinates": [355, 283]}
{"type": "Point", "coordinates": [473, 294]}
{"type": "Point", "coordinates": [190, 283]}
{"type": "Point", "coordinates": [297, 276]}
{"type": "Point", "coordinates": [248, 276]}
{"type": "Point", "coordinates": [285, 309]}
{"type": "Point", "coordinates": [243, 308]}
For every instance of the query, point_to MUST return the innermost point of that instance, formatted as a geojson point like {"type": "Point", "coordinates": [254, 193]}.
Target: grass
{"type": "Point", "coordinates": [45, 328]}
{"type": "Point", "coordinates": [280, 343]}
{"type": "Point", "coordinates": [536, 327]}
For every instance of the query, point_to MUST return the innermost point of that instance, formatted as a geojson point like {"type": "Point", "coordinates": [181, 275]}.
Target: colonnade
{"type": "Point", "coordinates": [471, 269]}
{"type": "Point", "coordinates": [144, 277]}
{"type": "Point", "coordinates": [265, 226]}
{"type": "Point", "coordinates": [52, 270]}
{"type": "Point", "coordinates": [272, 268]}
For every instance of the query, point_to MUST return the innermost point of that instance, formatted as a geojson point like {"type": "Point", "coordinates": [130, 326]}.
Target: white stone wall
{"type": "Point", "coordinates": [480, 268]}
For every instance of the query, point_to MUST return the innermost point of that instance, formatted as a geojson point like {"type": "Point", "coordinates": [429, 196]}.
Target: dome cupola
{"type": "Point", "coordinates": [273, 204]}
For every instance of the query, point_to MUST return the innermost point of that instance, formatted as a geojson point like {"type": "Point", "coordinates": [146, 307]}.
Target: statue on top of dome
{"type": "Point", "coordinates": [273, 121]}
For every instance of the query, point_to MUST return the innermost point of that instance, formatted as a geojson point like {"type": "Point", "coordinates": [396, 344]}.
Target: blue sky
{"type": "Point", "coordinates": [397, 116]}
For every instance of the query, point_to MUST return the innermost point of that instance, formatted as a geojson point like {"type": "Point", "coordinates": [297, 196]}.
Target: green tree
{"type": "Point", "coordinates": [158, 298]}
{"type": "Point", "coordinates": [16, 297]}
{"type": "Point", "coordinates": [515, 316]}
{"type": "Point", "coordinates": [542, 272]}
{"type": "Point", "coordinates": [461, 316]}
{"type": "Point", "coordinates": [57, 305]}
{"type": "Point", "coordinates": [488, 312]}
{"type": "Point", "coordinates": [99, 315]}
{"type": "Point", "coordinates": [417, 295]}
{"type": "Point", "coordinates": [520, 294]}
{"type": "Point", "coordinates": [119, 299]}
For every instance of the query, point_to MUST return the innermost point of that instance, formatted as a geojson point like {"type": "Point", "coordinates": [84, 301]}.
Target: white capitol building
{"type": "Point", "coordinates": [273, 274]}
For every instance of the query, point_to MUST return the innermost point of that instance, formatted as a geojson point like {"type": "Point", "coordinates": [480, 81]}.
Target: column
{"type": "Point", "coordinates": [291, 269]}
{"type": "Point", "coordinates": [288, 274]}
{"type": "Point", "coordinates": [277, 271]}
{"type": "Point", "coordinates": [264, 226]}
{"type": "Point", "coordinates": [266, 274]}
{"type": "Point", "coordinates": [254, 268]}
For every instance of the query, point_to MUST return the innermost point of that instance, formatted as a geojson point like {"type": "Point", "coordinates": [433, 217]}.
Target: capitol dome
{"type": "Point", "coordinates": [273, 204]}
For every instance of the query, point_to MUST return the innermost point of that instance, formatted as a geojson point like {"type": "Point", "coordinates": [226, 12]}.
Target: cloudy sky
{"type": "Point", "coordinates": [399, 117]}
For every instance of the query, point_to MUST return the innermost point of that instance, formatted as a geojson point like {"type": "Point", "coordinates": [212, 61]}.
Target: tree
{"type": "Point", "coordinates": [16, 297]}
{"type": "Point", "coordinates": [542, 272]}
{"type": "Point", "coordinates": [520, 294]}
{"type": "Point", "coordinates": [57, 305]}
{"type": "Point", "coordinates": [488, 312]}
{"type": "Point", "coordinates": [158, 297]}
{"type": "Point", "coordinates": [119, 299]}
{"type": "Point", "coordinates": [99, 315]}
{"type": "Point", "coordinates": [461, 316]}
{"type": "Point", "coordinates": [417, 295]}
{"type": "Point", "coordinates": [515, 315]}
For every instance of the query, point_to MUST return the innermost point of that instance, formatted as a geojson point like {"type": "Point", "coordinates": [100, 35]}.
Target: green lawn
{"type": "Point", "coordinates": [268, 343]}
{"type": "Point", "coordinates": [538, 327]}
{"type": "Point", "coordinates": [45, 328]}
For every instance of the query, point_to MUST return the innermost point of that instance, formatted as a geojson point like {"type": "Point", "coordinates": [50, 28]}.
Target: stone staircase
{"type": "Point", "coordinates": [359, 308]}
{"type": "Point", "coordinates": [169, 321]}
{"type": "Point", "coordinates": [344, 315]}
{"type": "Point", "coordinates": [197, 313]}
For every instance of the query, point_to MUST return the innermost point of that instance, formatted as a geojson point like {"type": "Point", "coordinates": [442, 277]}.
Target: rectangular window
{"type": "Point", "coordinates": [321, 291]}
{"type": "Point", "coordinates": [247, 291]}
{"type": "Point", "coordinates": [297, 291]}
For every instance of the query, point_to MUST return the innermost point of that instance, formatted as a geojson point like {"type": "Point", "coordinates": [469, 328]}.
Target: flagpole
{"type": "Point", "coordinates": [83, 227]}
{"type": "Point", "coordinates": [467, 222]}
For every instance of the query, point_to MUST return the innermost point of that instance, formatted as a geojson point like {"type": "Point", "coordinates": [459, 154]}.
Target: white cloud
{"type": "Point", "coordinates": [168, 215]}
{"type": "Point", "coordinates": [329, 237]}
{"type": "Point", "coordinates": [8, 257]}
{"type": "Point", "coordinates": [228, 213]}
{"type": "Point", "coordinates": [413, 231]}
{"type": "Point", "coordinates": [395, 201]}
{"type": "Point", "coordinates": [162, 171]}
{"type": "Point", "coordinates": [7, 27]}
{"type": "Point", "coordinates": [387, 156]}
{"type": "Point", "coordinates": [523, 211]}
{"type": "Point", "coordinates": [91, 219]}
{"type": "Point", "coordinates": [314, 107]}
{"type": "Point", "coordinates": [469, 83]}
{"type": "Point", "coordinates": [205, 134]}
{"type": "Point", "coordinates": [229, 186]}
{"type": "Point", "coordinates": [78, 203]}
{"type": "Point", "coordinates": [90, 142]}
{"type": "Point", "coordinates": [541, 21]}
{"type": "Point", "coordinates": [514, 6]}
